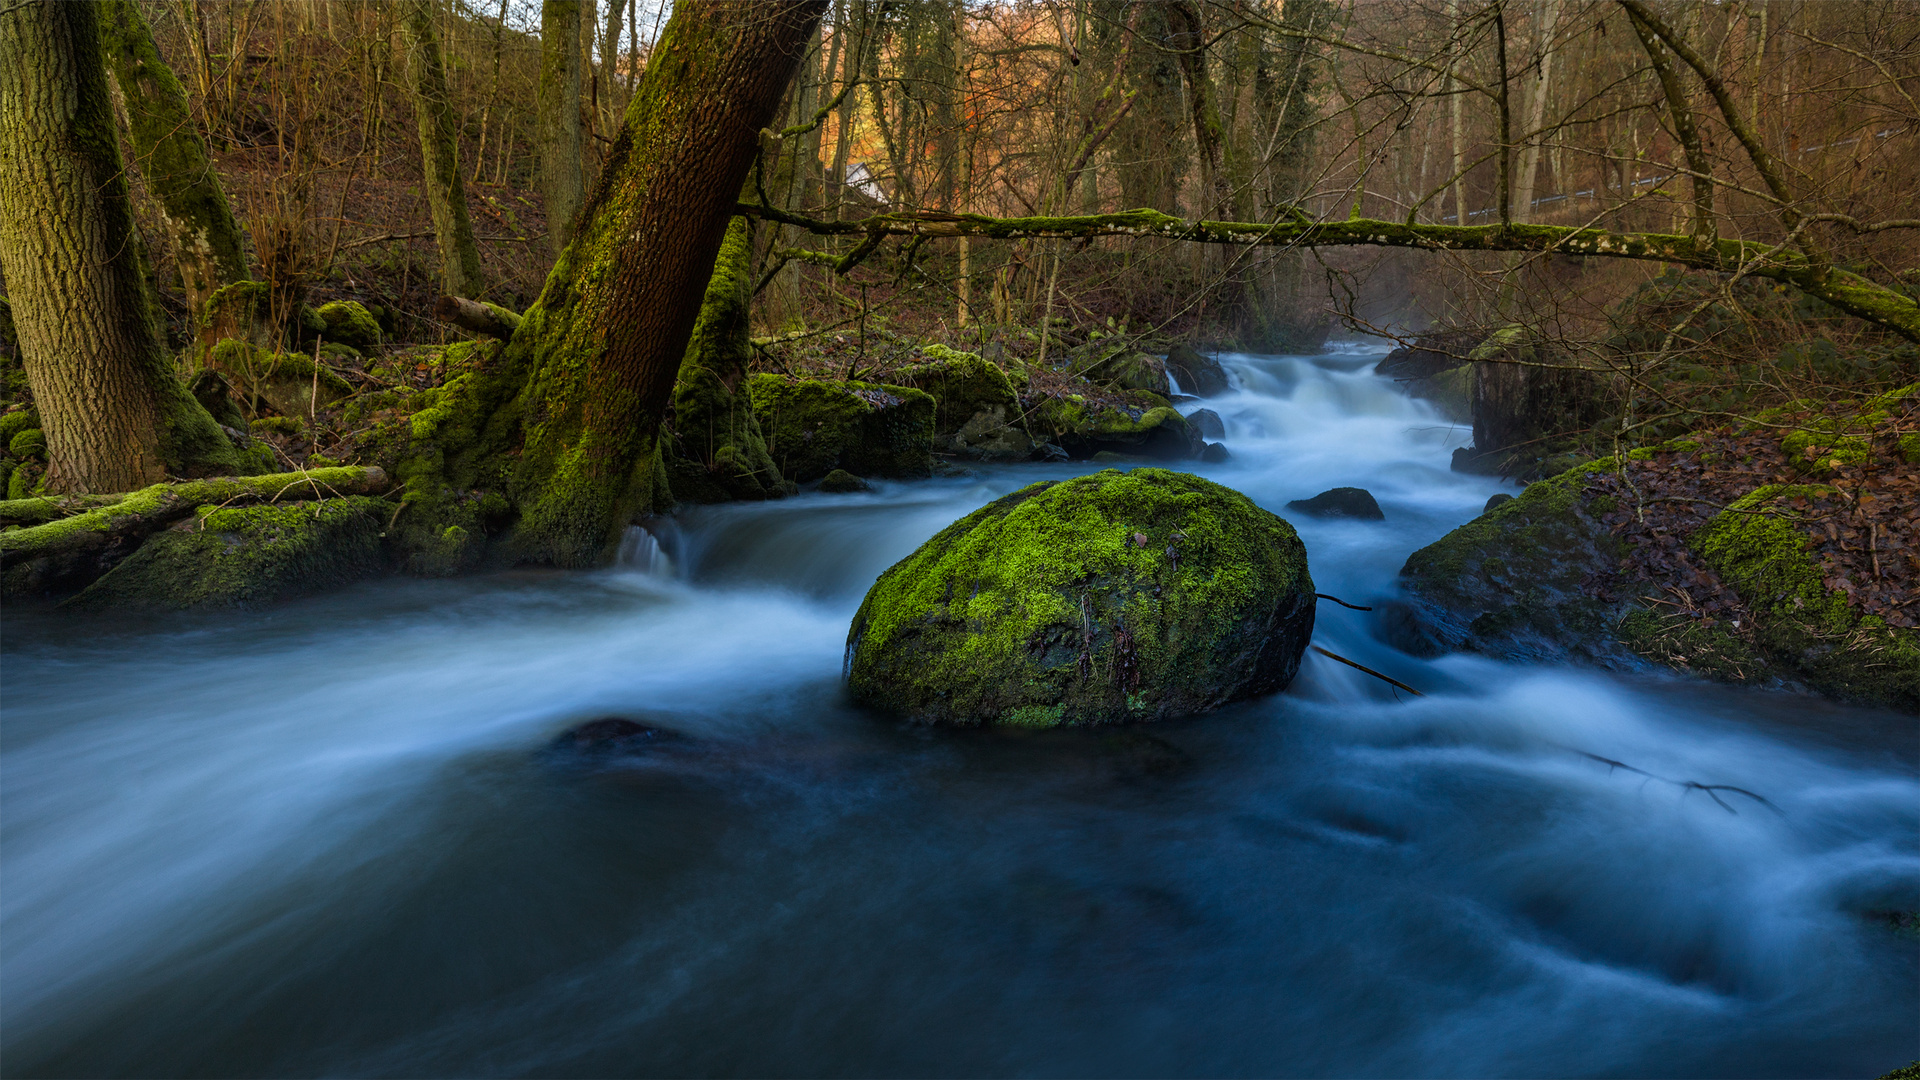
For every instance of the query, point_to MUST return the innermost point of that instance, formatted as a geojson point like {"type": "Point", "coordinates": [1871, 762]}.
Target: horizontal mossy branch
{"type": "Point", "coordinates": [65, 554]}
{"type": "Point", "coordinates": [1847, 291]}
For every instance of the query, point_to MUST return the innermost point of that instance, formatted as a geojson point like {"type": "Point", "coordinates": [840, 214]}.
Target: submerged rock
{"type": "Point", "coordinates": [814, 426]}
{"type": "Point", "coordinates": [226, 556]}
{"type": "Point", "coordinates": [1109, 597]}
{"type": "Point", "coordinates": [1340, 502]}
{"type": "Point", "coordinates": [1198, 374]}
{"type": "Point", "coordinates": [1213, 453]}
{"type": "Point", "coordinates": [614, 735]}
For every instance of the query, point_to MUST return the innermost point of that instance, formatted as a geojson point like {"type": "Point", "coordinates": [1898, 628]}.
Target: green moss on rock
{"type": "Point", "coordinates": [1143, 424]}
{"type": "Point", "coordinates": [1109, 597]}
{"type": "Point", "coordinates": [14, 423]}
{"type": "Point", "coordinates": [349, 323]}
{"type": "Point", "coordinates": [288, 383]}
{"type": "Point", "coordinates": [229, 556]}
{"type": "Point", "coordinates": [961, 384]}
{"type": "Point", "coordinates": [29, 445]}
{"type": "Point", "coordinates": [814, 426]}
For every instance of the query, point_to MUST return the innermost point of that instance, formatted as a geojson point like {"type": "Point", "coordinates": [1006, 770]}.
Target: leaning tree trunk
{"type": "Point", "coordinates": [208, 246]}
{"type": "Point", "coordinates": [567, 418]}
{"type": "Point", "coordinates": [115, 415]}
{"type": "Point", "coordinates": [559, 133]}
{"type": "Point", "coordinates": [440, 153]}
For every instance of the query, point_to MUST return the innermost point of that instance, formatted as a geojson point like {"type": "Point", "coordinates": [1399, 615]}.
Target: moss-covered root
{"type": "Point", "coordinates": [64, 555]}
{"type": "Point", "coordinates": [1114, 596]}
{"type": "Point", "coordinates": [717, 451]}
{"type": "Point", "coordinates": [231, 555]}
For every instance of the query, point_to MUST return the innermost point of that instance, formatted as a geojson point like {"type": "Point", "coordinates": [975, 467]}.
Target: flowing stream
{"type": "Point", "coordinates": [334, 837]}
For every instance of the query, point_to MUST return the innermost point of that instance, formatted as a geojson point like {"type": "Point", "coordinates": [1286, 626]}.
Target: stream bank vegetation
{"type": "Point", "coordinates": [550, 269]}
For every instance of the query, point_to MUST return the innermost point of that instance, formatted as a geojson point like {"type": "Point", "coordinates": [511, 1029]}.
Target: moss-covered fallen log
{"type": "Point", "coordinates": [1848, 291]}
{"type": "Point", "coordinates": [64, 555]}
{"type": "Point", "coordinates": [478, 316]}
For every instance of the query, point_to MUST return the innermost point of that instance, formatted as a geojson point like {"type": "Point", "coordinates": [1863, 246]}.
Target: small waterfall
{"type": "Point", "coordinates": [642, 552]}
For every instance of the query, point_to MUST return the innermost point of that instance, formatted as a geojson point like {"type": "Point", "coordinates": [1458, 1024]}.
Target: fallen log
{"type": "Point", "coordinates": [477, 316]}
{"type": "Point", "coordinates": [67, 554]}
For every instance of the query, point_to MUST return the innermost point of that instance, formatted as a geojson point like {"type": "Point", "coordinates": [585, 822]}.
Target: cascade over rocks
{"type": "Point", "coordinates": [1109, 597]}
{"type": "Point", "coordinates": [1199, 375]}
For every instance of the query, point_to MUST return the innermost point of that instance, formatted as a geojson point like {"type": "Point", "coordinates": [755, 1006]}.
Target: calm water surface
{"type": "Point", "coordinates": [330, 838]}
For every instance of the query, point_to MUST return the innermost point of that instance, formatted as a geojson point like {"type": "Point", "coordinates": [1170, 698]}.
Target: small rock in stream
{"type": "Point", "coordinates": [1346, 502]}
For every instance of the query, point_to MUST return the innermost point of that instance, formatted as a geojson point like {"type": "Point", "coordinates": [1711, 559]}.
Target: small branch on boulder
{"type": "Point", "coordinates": [477, 316]}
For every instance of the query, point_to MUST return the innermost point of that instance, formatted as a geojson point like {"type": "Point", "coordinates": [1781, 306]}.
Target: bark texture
{"type": "Point", "coordinates": [208, 246]}
{"type": "Point", "coordinates": [115, 415]}
{"type": "Point", "coordinates": [561, 148]}
{"type": "Point", "coordinates": [440, 153]}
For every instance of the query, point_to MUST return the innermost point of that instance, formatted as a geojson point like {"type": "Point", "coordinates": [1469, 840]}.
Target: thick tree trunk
{"type": "Point", "coordinates": [584, 382]}
{"type": "Point", "coordinates": [115, 415]}
{"type": "Point", "coordinates": [559, 120]}
{"type": "Point", "coordinates": [208, 246]}
{"type": "Point", "coordinates": [440, 153]}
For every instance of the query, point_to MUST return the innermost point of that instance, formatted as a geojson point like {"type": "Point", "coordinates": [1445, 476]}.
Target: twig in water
{"type": "Point", "coordinates": [1368, 670]}
{"type": "Point", "coordinates": [1689, 785]}
{"type": "Point", "coordinates": [1342, 603]}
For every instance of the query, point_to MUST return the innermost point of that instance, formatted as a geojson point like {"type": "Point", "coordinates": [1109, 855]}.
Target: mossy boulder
{"type": "Point", "coordinates": [842, 482]}
{"type": "Point", "coordinates": [962, 385]}
{"type": "Point", "coordinates": [1512, 582]}
{"type": "Point", "coordinates": [288, 383]}
{"type": "Point", "coordinates": [227, 556]}
{"type": "Point", "coordinates": [1197, 373]}
{"type": "Point", "coordinates": [1140, 424]}
{"type": "Point", "coordinates": [1128, 370]}
{"type": "Point", "coordinates": [349, 323]}
{"type": "Point", "coordinates": [814, 426]}
{"type": "Point", "coordinates": [1110, 597]}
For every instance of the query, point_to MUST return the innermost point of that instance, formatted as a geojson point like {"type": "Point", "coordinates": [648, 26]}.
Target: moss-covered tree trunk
{"type": "Point", "coordinates": [601, 349]}
{"type": "Point", "coordinates": [560, 147]}
{"type": "Point", "coordinates": [208, 246]}
{"type": "Point", "coordinates": [115, 415]}
{"type": "Point", "coordinates": [440, 152]}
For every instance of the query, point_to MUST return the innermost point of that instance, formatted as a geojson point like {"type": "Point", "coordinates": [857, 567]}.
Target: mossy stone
{"type": "Point", "coordinates": [349, 323]}
{"type": "Point", "coordinates": [288, 383]}
{"type": "Point", "coordinates": [814, 426]}
{"type": "Point", "coordinates": [841, 482]}
{"type": "Point", "coordinates": [1144, 424]}
{"type": "Point", "coordinates": [962, 385]}
{"type": "Point", "coordinates": [14, 423]}
{"type": "Point", "coordinates": [1198, 374]}
{"type": "Point", "coordinates": [1110, 597]}
{"type": "Point", "coordinates": [29, 445]}
{"type": "Point", "coordinates": [226, 556]}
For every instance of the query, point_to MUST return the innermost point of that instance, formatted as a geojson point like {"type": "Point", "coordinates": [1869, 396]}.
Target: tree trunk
{"type": "Point", "coordinates": [1190, 37]}
{"type": "Point", "coordinates": [1529, 173]}
{"type": "Point", "coordinates": [208, 246]}
{"type": "Point", "coordinates": [587, 377]}
{"type": "Point", "coordinates": [559, 126]}
{"type": "Point", "coordinates": [440, 153]}
{"type": "Point", "coordinates": [115, 415]}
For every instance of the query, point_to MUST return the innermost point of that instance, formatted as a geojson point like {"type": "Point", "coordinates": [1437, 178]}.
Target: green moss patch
{"type": "Point", "coordinates": [814, 426]}
{"type": "Point", "coordinates": [1109, 597]}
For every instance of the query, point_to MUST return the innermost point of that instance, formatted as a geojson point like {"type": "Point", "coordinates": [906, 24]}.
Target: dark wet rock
{"type": "Point", "coordinates": [1197, 374]}
{"type": "Point", "coordinates": [1207, 424]}
{"type": "Point", "coordinates": [1110, 597]}
{"type": "Point", "coordinates": [840, 482]}
{"type": "Point", "coordinates": [1525, 395]}
{"type": "Point", "coordinates": [615, 735]}
{"type": "Point", "coordinates": [1496, 501]}
{"type": "Point", "coordinates": [1340, 502]}
{"type": "Point", "coordinates": [1213, 454]}
{"type": "Point", "coordinates": [1429, 355]}
{"type": "Point", "coordinates": [989, 436]}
